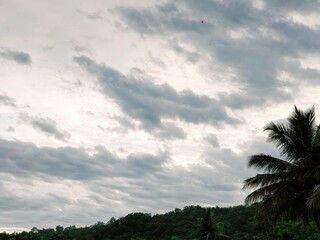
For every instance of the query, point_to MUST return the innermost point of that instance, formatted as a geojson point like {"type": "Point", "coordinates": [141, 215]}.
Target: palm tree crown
{"type": "Point", "coordinates": [290, 185]}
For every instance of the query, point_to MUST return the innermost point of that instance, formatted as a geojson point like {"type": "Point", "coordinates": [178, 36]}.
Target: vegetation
{"type": "Point", "coordinates": [190, 223]}
{"type": "Point", "coordinates": [289, 186]}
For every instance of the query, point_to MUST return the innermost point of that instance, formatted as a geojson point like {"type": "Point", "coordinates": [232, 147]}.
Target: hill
{"type": "Point", "coordinates": [237, 223]}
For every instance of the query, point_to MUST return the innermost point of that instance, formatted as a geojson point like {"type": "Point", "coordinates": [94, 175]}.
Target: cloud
{"type": "Point", "coordinates": [232, 163]}
{"type": "Point", "coordinates": [16, 56]}
{"type": "Point", "coordinates": [212, 140]}
{"type": "Point", "coordinates": [49, 203]}
{"type": "Point", "coordinates": [300, 38]}
{"type": "Point", "coordinates": [190, 56]}
{"type": "Point", "coordinates": [125, 122]}
{"type": "Point", "coordinates": [255, 44]}
{"type": "Point", "coordinates": [295, 5]}
{"type": "Point", "coordinates": [150, 103]}
{"type": "Point", "coordinates": [69, 178]}
{"type": "Point", "coordinates": [170, 131]}
{"type": "Point", "coordinates": [10, 129]}
{"type": "Point", "coordinates": [26, 159]}
{"type": "Point", "coordinates": [91, 15]}
{"type": "Point", "coordinates": [228, 161]}
{"type": "Point", "coordinates": [49, 127]}
{"type": "Point", "coordinates": [189, 16]}
{"type": "Point", "coordinates": [173, 187]}
{"type": "Point", "coordinates": [6, 100]}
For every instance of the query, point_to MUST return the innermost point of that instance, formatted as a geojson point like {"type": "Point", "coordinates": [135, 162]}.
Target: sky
{"type": "Point", "coordinates": [113, 107]}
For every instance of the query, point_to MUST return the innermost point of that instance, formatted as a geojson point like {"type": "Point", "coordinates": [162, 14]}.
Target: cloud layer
{"type": "Point", "coordinates": [150, 103]}
{"type": "Point", "coordinates": [26, 159]}
{"type": "Point", "coordinates": [138, 182]}
{"type": "Point", "coordinates": [257, 44]}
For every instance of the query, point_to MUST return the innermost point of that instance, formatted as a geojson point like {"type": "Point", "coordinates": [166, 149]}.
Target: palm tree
{"type": "Point", "coordinates": [289, 185]}
{"type": "Point", "coordinates": [209, 230]}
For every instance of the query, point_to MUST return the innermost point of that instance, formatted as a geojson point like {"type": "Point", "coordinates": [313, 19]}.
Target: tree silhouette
{"type": "Point", "coordinates": [208, 227]}
{"type": "Point", "coordinates": [289, 185]}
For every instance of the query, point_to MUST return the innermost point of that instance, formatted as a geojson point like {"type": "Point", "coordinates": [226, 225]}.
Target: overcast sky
{"type": "Point", "coordinates": [113, 107]}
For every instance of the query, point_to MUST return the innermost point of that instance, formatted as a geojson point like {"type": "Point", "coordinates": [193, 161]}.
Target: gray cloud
{"type": "Point", "coordinates": [212, 139]}
{"type": "Point", "coordinates": [260, 145]}
{"type": "Point", "coordinates": [6, 100]}
{"type": "Point", "coordinates": [150, 103]}
{"type": "Point", "coordinates": [10, 129]}
{"type": "Point", "coordinates": [91, 15]}
{"type": "Point", "coordinates": [48, 208]}
{"type": "Point", "coordinates": [234, 163]}
{"type": "Point", "coordinates": [190, 56]}
{"type": "Point", "coordinates": [174, 187]}
{"type": "Point", "coordinates": [138, 182]}
{"type": "Point", "coordinates": [13, 203]}
{"type": "Point", "coordinates": [293, 5]}
{"type": "Point", "coordinates": [262, 42]}
{"type": "Point", "coordinates": [143, 23]}
{"type": "Point", "coordinates": [227, 161]}
{"type": "Point", "coordinates": [299, 38]}
{"type": "Point", "coordinates": [170, 131]}
{"type": "Point", "coordinates": [306, 75]}
{"type": "Point", "coordinates": [49, 127]}
{"type": "Point", "coordinates": [189, 16]}
{"type": "Point", "coordinates": [26, 159]}
{"type": "Point", "coordinates": [125, 121]}
{"type": "Point", "coordinates": [16, 56]}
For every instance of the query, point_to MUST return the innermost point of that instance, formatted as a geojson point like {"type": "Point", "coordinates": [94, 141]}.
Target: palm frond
{"type": "Point", "coordinates": [316, 138]}
{"type": "Point", "coordinates": [274, 207]}
{"type": "Point", "coordinates": [303, 124]}
{"type": "Point", "coordinates": [269, 163]}
{"type": "Point", "coordinates": [281, 135]}
{"type": "Point", "coordinates": [311, 172]}
{"type": "Point", "coordinates": [313, 200]}
{"type": "Point", "coordinates": [295, 137]}
{"type": "Point", "coordinates": [314, 155]}
{"type": "Point", "coordinates": [303, 128]}
{"type": "Point", "coordinates": [262, 180]}
{"type": "Point", "coordinates": [266, 192]}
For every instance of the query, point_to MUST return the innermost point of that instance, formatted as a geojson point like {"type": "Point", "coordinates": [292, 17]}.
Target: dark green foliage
{"type": "Point", "coordinates": [21, 236]}
{"type": "Point", "coordinates": [208, 229]}
{"type": "Point", "coordinates": [59, 236]}
{"type": "Point", "coordinates": [131, 226]}
{"type": "Point", "coordinates": [295, 230]}
{"type": "Point", "coordinates": [178, 223]}
{"type": "Point", "coordinates": [190, 223]}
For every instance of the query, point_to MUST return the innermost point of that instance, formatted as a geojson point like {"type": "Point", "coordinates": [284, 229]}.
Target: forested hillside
{"type": "Point", "coordinates": [192, 222]}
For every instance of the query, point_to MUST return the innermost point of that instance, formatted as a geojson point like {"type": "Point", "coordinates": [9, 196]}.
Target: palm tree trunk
{"type": "Point", "coordinates": [317, 220]}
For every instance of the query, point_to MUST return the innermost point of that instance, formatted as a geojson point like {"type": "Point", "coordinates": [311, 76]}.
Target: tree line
{"type": "Point", "coordinates": [189, 223]}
